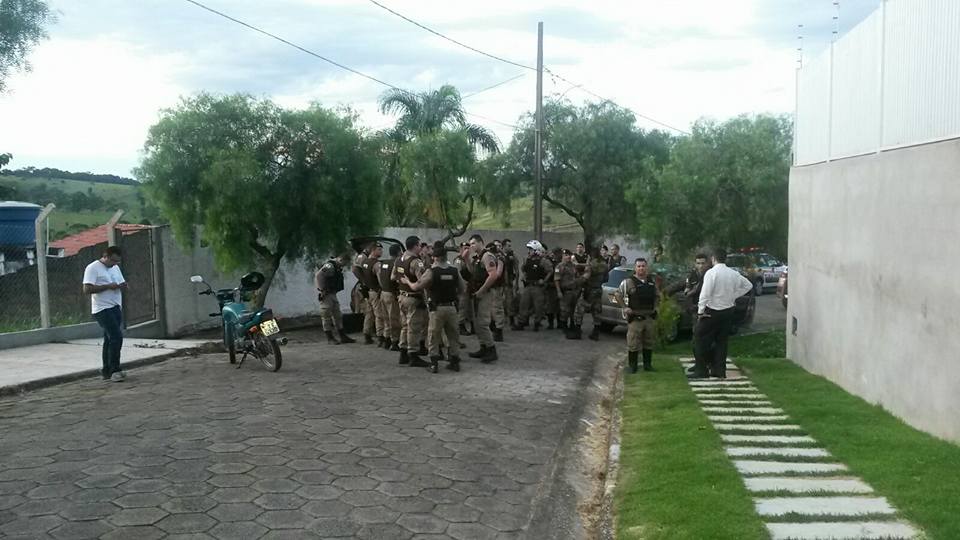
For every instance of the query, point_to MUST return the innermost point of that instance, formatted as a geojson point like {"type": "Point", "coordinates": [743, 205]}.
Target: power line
{"type": "Point", "coordinates": [337, 64]}
{"type": "Point", "coordinates": [294, 45]}
{"type": "Point", "coordinates": [512, 63]}
{"type": "Point", "coordinates": [450, 39]}
{"type": "Point", "coordinates": [501, 83]}
{"type": "Point", "coordinates": [580, 87]}
{"type": "Point", "coordinates": [494, 121]}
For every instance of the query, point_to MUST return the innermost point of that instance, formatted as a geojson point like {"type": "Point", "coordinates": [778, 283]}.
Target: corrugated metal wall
{"type": "Point", "coordinates": [894, 80]}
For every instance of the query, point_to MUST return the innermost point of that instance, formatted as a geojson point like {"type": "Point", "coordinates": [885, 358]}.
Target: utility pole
{"type": "Point", "coordinates": [538, 166]}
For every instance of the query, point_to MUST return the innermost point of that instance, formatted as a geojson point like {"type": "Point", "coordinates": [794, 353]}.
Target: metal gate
{"type": "Point", "coordinates": [138, 266]}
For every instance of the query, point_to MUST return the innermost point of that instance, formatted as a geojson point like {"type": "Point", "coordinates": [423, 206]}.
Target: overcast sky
{"type": "Point", "coordinates": [110, 66]}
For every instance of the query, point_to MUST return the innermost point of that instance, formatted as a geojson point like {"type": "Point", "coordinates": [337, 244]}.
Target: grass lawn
{"type": "Point", "coordinates": [917, 472]}
{"type": "Point", "coordinates": [675, 481]}
{"type": "Point", "coordinates": [675, 477]}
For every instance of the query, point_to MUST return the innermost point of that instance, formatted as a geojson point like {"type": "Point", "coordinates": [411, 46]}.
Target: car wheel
{"type": "Point", "coordinates": [758, 287]}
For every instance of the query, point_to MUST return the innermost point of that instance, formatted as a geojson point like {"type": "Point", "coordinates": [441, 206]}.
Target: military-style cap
{"type": "Point", "coordinates": [567, 252]}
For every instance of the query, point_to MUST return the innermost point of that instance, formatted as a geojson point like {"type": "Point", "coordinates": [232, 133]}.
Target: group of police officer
{"type": "Point", "coordinates": [416, 302]}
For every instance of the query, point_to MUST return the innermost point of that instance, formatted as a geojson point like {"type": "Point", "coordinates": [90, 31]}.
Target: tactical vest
{"type": "Point", "coordinates": [642, 296]}
{"type": "Point", "coordinates": [510, 266]}
{"type": "Point", "coordinates": [443, 285]}
{"type": "Point", "coordinates": [403, 268]}
{"type": "Point", "coordinates": [479, 274]}
{"type": "Point", "coordinates": [369, 272]}
{"type": "Point", "coordinates": [384, 270]}
{"type": "Point", "coordinates": [533, 270]}
{"type": "Point", "coordinates": [333, 281]}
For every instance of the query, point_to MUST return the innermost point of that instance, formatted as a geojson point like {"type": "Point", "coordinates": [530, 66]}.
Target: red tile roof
{"type": "Point", "coordinates": [72, 245]}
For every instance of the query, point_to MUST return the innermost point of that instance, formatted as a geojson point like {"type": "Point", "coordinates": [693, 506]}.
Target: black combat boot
{"type": "Point", "coordinates": [331, 339]}
{"type": "Point", "coordinates": [463, 329]}
{"type": "Point", "coordinates": [434, 364]}
{"type": "Point", "coordinates": [345, 338]}
{"type": "Point", "coordinates": [574, 333]}
{"type": "Point", "coordinates": [453, 364]}
{"type": "Point", "coordinates": [404, 357]}
{"type": "Point", "coordinates": [498, 334]}
{"type": "Point", "coordinates": [423, 349]}
{"type": "Point", "coordinates": [595, 334]}
{"type": "Point", "coordinates": [490, 355]}
{"type": "Point", "coordinates": [395, 346]}
{"type": "Point", "coordinates": [648, 360]}
{"type": "Point", "coordinates": [367, 339]}
{"type": "Point", "coordinates": [513, 321]}
{"type": "Point", "coordinates": [549, 322]}
{"type": "Point", "coordinates": [416, 361]}
{"type": "Point", "coordinates": [536, 326]}
{"type": "Point", "coordinates": [479, 354]}
{"type": "Point", "coordinates": [632, 360]}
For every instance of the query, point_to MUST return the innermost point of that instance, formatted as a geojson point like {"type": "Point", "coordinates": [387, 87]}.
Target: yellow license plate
{"type": "Point", "coordinates": [269, 328]}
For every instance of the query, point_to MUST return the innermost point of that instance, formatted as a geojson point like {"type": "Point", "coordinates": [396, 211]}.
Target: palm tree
{"type": "Point", "coordinates": [426, 112]}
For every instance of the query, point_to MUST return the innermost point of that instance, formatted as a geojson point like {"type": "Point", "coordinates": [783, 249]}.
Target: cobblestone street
{"type": "Point", "coordinates": [341, 442]}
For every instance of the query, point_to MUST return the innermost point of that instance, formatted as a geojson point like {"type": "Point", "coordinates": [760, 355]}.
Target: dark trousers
{"type": "Point", "coordinates": [111, 320]}
{"type": "Point", "coordinates": [710, 347]}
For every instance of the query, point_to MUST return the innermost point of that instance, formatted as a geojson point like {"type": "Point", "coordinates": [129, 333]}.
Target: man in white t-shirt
{"type": "Point", "coordinates": [104, 282]}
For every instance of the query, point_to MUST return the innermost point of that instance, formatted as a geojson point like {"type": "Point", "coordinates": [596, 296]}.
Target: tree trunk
{"type": "Point", "coordinates": [260, 296]}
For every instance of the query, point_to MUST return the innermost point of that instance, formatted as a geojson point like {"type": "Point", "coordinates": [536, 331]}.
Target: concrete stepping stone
{"type": "Point", "coordinates": [736, 419]}
{"type": "Point", "coordinates": [741, 451]}
{"type": "Point", "coordinates": [868, 530]}
{"type": "Point", "coordinates": [767, 439]}
{"type": "Point", "coordinates": [807, 485]}
{"type": "Point", "coordinates": [739, 381]}
{"type": "Point", "coordinates": [743, 410]}
{"type": "Point", "coordinates": [731, 397]}
{"type": "Point", "coordinates": [736, 402]}
{"type": "Point", "coordinates": [751, 467]}
{"type": "Point", "coordinates": [823, 506]}
{"type": "Point", "coordinates": [726, 388]}
{"type": "Point", "coordinates": [757, 427]}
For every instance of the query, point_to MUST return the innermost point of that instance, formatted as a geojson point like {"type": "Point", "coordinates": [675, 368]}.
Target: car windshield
{"type": "Point", "coordinates": [617, 276]}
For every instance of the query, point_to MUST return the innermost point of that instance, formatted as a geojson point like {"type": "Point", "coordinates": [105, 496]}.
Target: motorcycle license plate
{"type": "Point", "coordinates": [269, 328]}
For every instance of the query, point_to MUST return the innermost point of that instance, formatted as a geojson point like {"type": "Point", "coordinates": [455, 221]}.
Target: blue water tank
{"type": "Point", "coordinates": [17, 222]}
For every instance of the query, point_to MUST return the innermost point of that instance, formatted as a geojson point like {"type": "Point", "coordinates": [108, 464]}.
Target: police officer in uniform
{"type": "Point", "coordinates": [640, 296]}
{"type": "Point", "coordinates": [329, 281]}
{"type": "Point", "coordinates": [511, 267]}
{"type": "Point", "coordinates": [580, 259]}
{"type": "Point", "coordinates": [590, 301]}
{"type": "Point", "coordinates": [568, 286]}
{"type": "Point", "coordinates": [389, 299]}
{"type": "Point", "coordinates": [365, 269]}
{"type": "Point", "coordinates": [551, 304]}
{"type": "Point", "coordinates": [499, 318]}
{"type": "Point", "coordinates": [412, 305]}
{"type": "Point", "coordinates": [535, 271]}
{"type": "Point", "coordinates": [462, 263]}
{"type": "Point", "coordinates": [443, 285]}
{"type": "Point", "coordinates": [615, 259]}
{"type": "Point", "coordinates": [485, 274]}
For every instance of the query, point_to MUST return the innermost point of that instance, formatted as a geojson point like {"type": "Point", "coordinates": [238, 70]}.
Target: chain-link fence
{"type": "Point", "coordinates": [22, 274]}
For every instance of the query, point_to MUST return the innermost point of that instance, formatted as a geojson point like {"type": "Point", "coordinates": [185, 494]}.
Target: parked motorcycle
{"type": "Point", "coordinates": [254, 333]}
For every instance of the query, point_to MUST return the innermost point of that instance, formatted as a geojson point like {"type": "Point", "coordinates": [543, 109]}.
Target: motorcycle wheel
{"type": "Point", "coordinates": [268, 351]}
{"type": "Point", "coordinates": [230, 343]}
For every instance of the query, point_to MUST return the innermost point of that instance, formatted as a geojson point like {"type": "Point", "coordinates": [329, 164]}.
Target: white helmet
{"type": "Point", "coordinates": [536, 246]}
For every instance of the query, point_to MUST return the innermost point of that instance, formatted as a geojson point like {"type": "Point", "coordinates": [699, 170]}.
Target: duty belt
{"type": "Point", "coordinates": [444, 304]}
{"type": "Point", "coordinates": [407, 293]}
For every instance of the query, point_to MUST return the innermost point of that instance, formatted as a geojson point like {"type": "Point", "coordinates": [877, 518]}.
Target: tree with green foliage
{"type": "Point", "coordinates": [431, 157]}
{"type": "Point", "coordinates": [22, 25]}
{"type": "Point", "coordinates": [591, 155]}
{"type": "Point", "coordinates": [725, 185]}
{"type": "Point", "coordinates": [265, 183]}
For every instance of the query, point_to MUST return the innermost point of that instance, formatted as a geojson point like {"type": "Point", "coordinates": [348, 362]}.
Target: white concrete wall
{"type": "Point", "coordinates": [873, 279]}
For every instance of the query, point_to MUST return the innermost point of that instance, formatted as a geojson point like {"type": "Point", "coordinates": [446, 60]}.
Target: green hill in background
{"type": "Point", "coordinates": [521, 217]}
{"type": "Point", "coordinates": [81, 204]}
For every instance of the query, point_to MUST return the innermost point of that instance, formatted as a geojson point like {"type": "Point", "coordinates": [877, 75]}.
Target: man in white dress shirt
{"type": "Point", "coordinates": [722, 286]}
{"type": "Point", "coordinates": [104, 282]}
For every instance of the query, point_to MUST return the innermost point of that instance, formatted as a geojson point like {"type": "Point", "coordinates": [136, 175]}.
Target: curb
{"type": "Point", "coordinates": [567, 501]}
{"type": "Point", "coordinates": [46, 382]}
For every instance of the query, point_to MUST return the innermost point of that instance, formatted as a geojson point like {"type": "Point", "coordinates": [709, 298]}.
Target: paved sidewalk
{"type": "Point", "coordinates": [340, 443]}
{"type": "Point", "coordinates": [799, 489]}
{"type": "Point", "coordinates": [25, 368]}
